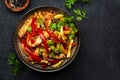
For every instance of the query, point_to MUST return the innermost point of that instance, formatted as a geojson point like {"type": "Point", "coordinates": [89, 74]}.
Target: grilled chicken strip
{"type": "Point", "coordinates": [24, 28]}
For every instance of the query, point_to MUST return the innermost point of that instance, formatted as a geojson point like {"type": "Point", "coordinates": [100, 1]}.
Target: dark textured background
{"type": "Point", "coordinates": [99, 54]}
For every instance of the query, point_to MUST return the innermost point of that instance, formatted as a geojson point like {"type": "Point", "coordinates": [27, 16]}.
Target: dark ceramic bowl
{"type": "Point", "coordinates": [22, 55]}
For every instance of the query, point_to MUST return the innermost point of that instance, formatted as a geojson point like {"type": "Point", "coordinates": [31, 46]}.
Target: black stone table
{"type": "Point", "coordinates": [99, 54]}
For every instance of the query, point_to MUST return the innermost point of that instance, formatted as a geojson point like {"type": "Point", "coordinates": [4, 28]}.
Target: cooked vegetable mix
{"type": "Point", "coordinates": [47, 38]}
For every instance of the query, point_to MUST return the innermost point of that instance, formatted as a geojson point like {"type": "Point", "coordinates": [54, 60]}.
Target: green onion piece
{"type": "Point", "coordinates": [50, 42]}
{"type": "Point", "coordinates": [71, 36]}
{"type": "Point", "coordinates": [53, 26]}
{"type": "Point", "coordinates": [60, 23]}
{"type": "Point", "coordinates": [71, 24]}
{"type": "Point", "coordinates": [52, 55]}
{"type": "Point", "coordinates": [41, 22]}
{"type": "Point", "coordinates": [74, 30]}
{"type": "Point", "coordinates": [29, 29]}
{"type": "Point", "coordinates": [55, 50]}
{"type": "Point", "coordinates": [40, 51]}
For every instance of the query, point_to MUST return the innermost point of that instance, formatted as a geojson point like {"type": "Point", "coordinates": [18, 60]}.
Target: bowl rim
{"type": "Point", "coordinates": [43, 70]}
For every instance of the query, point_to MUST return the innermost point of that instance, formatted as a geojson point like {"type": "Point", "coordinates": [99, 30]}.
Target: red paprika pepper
{"type": "Point", "coordinates": [33, 25]}
{"type": "Point", "coordinates": [44, 65]}
{"type": "Point", "coordinates": [66, 28]}
{"type": "Point", "coordinates": [32, 55]}
{"type": "Point", "coordinates": [54, 36]}
{"type": "Point", "coordinates": [43, 38]}
{"type": "Point", "coordinates": [22, 40]}
{"type": "Point", "coordinates": [74, 44]}
{"type": "Point", "coordinates": [53, 61]}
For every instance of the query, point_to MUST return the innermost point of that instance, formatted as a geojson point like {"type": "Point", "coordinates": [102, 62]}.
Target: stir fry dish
{"type": "Point", "coordinates": [47, 38]}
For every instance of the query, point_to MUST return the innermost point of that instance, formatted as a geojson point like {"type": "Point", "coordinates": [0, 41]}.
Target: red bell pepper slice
{"type": "Point", "coordinates": [30, 35]}
{"type": "Point", "coordinates": [31, 54]}
{"type": "Point", "coordinates": [53, 61]}
{"type": "Point", "coordinates": [66, 28]}
{"type": "Point", "coordinates": [54, 36]}
{"type": "Point", "coordinates": [44, 65]}
{"type": "Point", "coordinates": [74, 44]}
{"type": "Point", "coordinates": [22, 40]}
{"type": "Point", "coordinates": [43, 38]}
{"type": "Point", "coordinates": [33, 25]}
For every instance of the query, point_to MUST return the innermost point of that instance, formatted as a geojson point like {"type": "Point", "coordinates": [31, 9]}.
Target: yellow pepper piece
{"type": "Point", "coordinates": [32, 62]}
{"type": "Point", "coordinates": [58, 16]}
{"type": "Point", "coordinates": [69, 48]}
{"type": "Point", "coordinates": [62, 33]}
{"type": "Point", "coordinates": [66, 32]}
{"type": "Point", "coordinates": [40, 15]}
{"type": "Point", "coordinates": [57, 64]}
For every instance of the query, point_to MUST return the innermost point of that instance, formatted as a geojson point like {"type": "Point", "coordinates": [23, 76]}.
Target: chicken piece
{"type": "Point", "coordinates": [36, 16]}
{"type": "Point", "coordinates": [29, 59]}
{"type": "Point", "coordinates": [48, 17]}
{"type": "Point", "coordinates": [46, 34]}
{"type": "Point", "coordinates": [40, 15]}
{"type": "Point", "coordinates": [24, 28]}
{"type": "Point", "coordinates": [36, 52]}
{"type": "Point", "coordinates": [45, 55]}
{"type": "Point", "coordinates": [61, 56]}
{"type": "Point", "coordinates": [37, 24]}
{"type": "Point", "coordinates": [48, 21]}
{"type": "Point", "coordinates": [47, 14]}
{"type": "Point", "coordinates": [44, 61]}
{"type": "Point", "coordinates": [37, 42]}
{"type": "Point", "coordinates": [23, 49]}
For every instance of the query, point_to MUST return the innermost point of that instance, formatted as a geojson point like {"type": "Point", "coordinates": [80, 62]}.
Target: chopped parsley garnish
{"type": "Point", "coordinates": [16, 67]}
{"type": "Point", "coordinates": [79, 14]}
{"type": "Point", "coordinates": [69, 3]}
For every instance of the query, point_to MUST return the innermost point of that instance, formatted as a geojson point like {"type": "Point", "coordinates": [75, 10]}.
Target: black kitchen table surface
{"type": "Point", "coordinates": [99, 54]}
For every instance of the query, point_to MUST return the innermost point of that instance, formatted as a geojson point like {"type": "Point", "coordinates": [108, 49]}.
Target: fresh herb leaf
{"type": "Point", "coordinates": [69, 3]}
{"type": "Point", "coordinates": [79, 14]}
{"type": "Point", "coordinates": [69, 19]}
{"type": "Point", "coordinates": [11, 59]}
{"type": "Point", "coordinates": [79, 18]}
{"type": "Point", "coordinates": [16, 67]}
